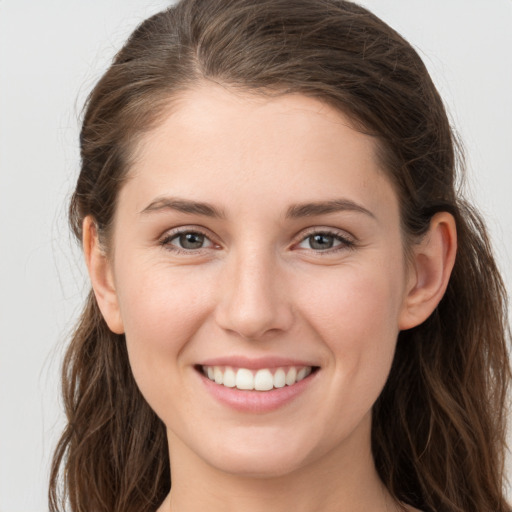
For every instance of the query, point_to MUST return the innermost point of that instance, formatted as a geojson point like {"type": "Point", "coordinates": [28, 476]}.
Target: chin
{"type": "Point", "coordinates": [257, 455]}
{"type": "Point", "coordinates": [258, 465]}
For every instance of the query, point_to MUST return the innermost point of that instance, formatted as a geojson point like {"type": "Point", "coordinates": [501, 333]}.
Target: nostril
{"type": "Point", "coordinates": [253, 323]}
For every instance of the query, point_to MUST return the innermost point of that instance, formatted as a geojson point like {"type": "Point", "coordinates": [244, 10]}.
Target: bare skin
{"type": "Point", "coordinates": [250, 230]}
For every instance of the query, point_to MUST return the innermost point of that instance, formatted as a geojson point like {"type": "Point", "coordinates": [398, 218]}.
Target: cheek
{"type": "Point", "coordinates": [162, 309]}
{"type": "Point", "coordinates": [356, 316]}
{"type": "Point", "coordinates": [355, 302]}
{"type": "Point", "coordinates": [159, 302]}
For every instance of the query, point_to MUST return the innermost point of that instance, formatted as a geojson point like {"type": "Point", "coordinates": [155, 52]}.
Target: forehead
{"type": "Point", "coordinates": [217, 143]}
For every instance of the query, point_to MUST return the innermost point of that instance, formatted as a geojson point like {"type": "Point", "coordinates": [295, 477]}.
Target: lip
{"type": "Point", "coordinates": [255, 363]}
{"type": "Point", "coordinates": [253, 401]}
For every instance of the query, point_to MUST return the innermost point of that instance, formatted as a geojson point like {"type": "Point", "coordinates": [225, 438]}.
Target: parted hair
{"type": "Point", "coordinates": [438, 431]}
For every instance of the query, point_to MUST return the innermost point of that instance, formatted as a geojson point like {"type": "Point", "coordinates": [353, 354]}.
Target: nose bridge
{"type": "Point", "coordinates": [253, 301]}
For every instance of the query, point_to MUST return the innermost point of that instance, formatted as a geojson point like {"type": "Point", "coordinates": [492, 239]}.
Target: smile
{"type": "Point", "coordinates": [264, 379]}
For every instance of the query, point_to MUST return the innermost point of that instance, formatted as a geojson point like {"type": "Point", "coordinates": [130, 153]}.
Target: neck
{"type": "Point", "coordinates": [342, 480]}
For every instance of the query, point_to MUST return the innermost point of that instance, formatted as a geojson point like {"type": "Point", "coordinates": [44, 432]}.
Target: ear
{"type": "Point", "coordinates": [430, 271]}
{"type": "Point", "coordinates": [100, 273]}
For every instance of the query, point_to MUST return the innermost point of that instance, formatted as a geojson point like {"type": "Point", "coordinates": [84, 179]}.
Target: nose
{"type": "Point", "coordinates": [253, 301]}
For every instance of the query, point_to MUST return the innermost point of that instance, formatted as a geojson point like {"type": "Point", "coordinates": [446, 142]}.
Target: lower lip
{"type": "Point", "coordinates": [257, 401]}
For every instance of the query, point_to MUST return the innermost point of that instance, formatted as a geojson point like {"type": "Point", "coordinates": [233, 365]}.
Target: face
{"type": "Point", "coordinates": [257, 243]}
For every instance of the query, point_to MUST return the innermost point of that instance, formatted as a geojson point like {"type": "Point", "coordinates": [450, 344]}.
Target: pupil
{"type": "Point", "coordinates": [191, 241]}
{"type": "Point", "coordinates": [321, 241]}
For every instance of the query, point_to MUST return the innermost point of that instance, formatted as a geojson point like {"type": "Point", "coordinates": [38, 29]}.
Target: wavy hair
{"type": "Point", "coordinates": [438, 432]}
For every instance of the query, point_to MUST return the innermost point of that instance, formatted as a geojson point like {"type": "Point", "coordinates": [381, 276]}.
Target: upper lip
{"type": "Point", "coordinates": [255, 363]}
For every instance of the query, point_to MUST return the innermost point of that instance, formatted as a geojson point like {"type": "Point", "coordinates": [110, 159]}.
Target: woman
{"type": "Point", "coordinates": [291, 306]}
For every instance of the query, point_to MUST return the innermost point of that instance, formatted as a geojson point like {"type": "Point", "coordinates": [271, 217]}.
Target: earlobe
{"type": "Point", "coordinates": [100, 273]}
{"type": "Point", "coordinates": [434, 258]}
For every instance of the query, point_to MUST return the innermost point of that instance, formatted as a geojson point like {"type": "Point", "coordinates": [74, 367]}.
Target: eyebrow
{"type": "Point", "coordinates": [325, 207]}
{"type": "Point", "coordinates": [184, 206]}
{"type": "Point", "coordinates": [295, 211]}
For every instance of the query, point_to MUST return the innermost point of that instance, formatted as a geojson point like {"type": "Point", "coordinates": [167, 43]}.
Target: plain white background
{"type": "Point", "coordinates": [51, 54]}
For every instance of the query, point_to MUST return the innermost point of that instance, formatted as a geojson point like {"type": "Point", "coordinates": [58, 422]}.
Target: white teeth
{"type": "Point", "coordinates": [218, 375]}
{"type": "Point", "coordinates": [263, 380]}
{"type": "Point", "coordinates": [244, 379]}
{"type": "Point", "coordinates": [300, 374]}
{"type": "Point", "coordinates": [279, 378]}
{"type": "Point", "coordinates": [291, 376]}
{"type": "Point", "coordinates": [260, 380]}
{"type": "Point", "coordinates": [229, 378]}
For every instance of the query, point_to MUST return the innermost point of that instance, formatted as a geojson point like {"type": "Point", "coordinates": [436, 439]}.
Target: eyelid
{"type": "Point", "coordinates": [169, 235]}
{"type": "Point", "coordinates": [348, 241]}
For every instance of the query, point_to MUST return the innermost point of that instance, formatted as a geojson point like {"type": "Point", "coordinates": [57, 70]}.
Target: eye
{"type": "Point", "coordinates": [187, 241]}
{"type": "Point", "coordinates": [324, 241]}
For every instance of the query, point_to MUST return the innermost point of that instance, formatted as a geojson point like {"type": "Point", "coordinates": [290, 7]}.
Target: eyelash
{"type": "Point", "coordinates": [166, 241]}
{"type": "Point", "coordinates": [346, 243]}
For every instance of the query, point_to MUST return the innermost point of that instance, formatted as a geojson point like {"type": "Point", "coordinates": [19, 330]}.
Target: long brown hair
{"type": "Point", "coordinates": [439, 425]}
